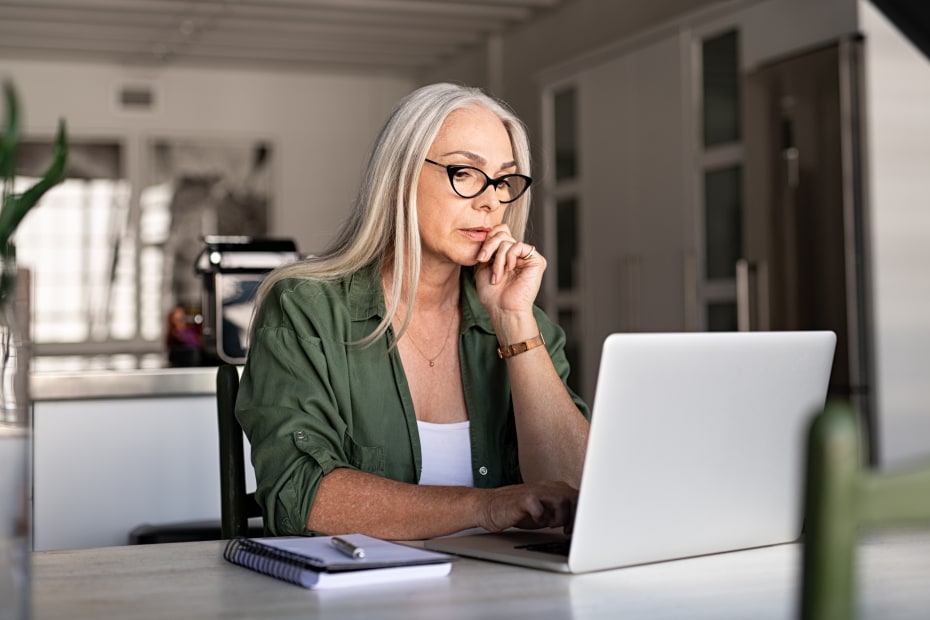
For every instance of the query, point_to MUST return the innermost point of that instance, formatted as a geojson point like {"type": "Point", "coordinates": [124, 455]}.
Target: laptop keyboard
{"type": "Point", "coordinates": [555, 547]}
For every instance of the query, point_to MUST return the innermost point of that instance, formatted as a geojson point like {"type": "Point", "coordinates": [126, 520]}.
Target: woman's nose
{"type": "Point", "coordinates": [488, 199]}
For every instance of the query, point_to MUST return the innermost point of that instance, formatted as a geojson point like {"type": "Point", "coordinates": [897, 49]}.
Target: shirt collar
{"type": "Point", "coordinates": [365, 295]}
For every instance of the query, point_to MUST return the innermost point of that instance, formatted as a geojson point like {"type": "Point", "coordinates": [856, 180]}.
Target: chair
{"type": "Point", "coordinates": [843, 496]}
{"type": "Point", "coordinates": [236, 506]}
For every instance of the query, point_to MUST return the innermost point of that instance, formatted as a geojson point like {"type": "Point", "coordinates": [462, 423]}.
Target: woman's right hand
{"type": "Point", "coordinates": [349, 500]}
{"type": "Point", "coordinates": [549, 503]}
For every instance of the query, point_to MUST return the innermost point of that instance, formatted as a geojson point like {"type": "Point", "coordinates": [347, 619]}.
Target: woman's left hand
{"type": "Point", "coordinates": [508, 274]}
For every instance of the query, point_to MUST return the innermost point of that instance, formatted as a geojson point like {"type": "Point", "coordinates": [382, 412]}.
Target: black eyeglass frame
{"type": "Point", "coordinates": [451, 169]}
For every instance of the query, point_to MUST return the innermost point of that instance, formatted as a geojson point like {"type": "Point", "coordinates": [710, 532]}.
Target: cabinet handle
{"type": "Point", "coordinates": [762, 296]}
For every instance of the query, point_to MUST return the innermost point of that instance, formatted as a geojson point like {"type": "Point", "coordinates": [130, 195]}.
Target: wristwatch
{"type": "Point", "coordinates": [509, 350]}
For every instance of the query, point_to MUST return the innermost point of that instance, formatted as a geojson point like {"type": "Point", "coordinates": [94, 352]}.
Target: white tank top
{"type": "Point", "coordinates": [446, 453]}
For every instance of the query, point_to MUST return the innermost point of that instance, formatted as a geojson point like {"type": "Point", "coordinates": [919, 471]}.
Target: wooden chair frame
{"type": "Point", "coordinates": [842, 497]}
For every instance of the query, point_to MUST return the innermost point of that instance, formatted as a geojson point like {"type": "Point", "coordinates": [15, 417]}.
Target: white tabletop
{"type": "Point", "coordinates": [191, 580]}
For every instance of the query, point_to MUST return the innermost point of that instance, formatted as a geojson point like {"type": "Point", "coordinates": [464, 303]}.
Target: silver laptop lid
{"type": "Point", "coordinates": [697, 444]}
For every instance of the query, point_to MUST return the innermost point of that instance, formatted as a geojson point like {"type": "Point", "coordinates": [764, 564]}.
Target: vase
{"type": "Point", "coordinates": [15, 445]}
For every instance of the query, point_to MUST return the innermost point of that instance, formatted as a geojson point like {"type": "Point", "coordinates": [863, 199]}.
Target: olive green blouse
{"type": "Point", "coordinates": [311, 401]}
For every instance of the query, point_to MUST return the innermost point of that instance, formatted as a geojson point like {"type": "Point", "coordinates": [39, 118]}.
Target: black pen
{"type": "Point", "coordinates": [353, 551]}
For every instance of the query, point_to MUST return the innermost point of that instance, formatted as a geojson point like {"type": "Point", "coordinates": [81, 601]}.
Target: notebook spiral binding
{"type": "Point", "coordinates": [276, 563]}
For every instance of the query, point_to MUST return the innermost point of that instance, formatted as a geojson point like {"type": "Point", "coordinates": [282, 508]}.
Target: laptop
{"type": "Point", "coordinates": [697, 446]}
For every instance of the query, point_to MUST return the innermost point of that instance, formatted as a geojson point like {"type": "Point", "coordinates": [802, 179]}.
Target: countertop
{"type": "Point", "coordinates": [125, 383]}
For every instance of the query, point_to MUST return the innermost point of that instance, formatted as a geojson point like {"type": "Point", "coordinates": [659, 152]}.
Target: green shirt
{"type": "Point", "coordinates": [310, 401]}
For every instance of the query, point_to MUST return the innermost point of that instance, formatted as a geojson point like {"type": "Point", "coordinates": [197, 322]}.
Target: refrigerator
{"type": "Point", "coordinates": [806, 262]}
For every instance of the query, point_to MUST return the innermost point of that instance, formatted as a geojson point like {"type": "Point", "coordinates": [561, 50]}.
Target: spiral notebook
{"type": "Point", "coordinates": [313, 562]}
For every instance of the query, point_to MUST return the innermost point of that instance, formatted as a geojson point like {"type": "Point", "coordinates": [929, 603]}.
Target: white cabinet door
{"type": "Point", "coordinates": [103, 467]}
{"type": "Point", "coordinates": [636, 223]}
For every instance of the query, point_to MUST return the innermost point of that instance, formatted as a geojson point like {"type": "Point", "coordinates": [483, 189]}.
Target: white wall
{"type": "Point", "coordinates": [321, 124]}
{"type": "Point", "coordinates": [898, 110]}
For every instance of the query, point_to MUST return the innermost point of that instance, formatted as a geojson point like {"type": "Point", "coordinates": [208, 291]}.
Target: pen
{"type": "Point", "coordinates": [353, 551]}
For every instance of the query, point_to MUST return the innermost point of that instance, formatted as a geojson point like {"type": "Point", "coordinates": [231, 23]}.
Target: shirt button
{"type": "Point", "coordinates": [301, 436]}
{"type": "Point", "coordinates": [483, 470]}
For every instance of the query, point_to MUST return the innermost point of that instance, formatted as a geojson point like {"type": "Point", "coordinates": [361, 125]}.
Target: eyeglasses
{"type": "Point", "coordinates": [468, 182]}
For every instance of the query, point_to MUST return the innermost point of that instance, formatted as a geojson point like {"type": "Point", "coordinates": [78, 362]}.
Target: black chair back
{"type": "Point", "coordinates": [236, 505]}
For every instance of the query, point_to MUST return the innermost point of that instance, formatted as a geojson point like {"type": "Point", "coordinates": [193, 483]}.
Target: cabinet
{"type": "Point", "coordinates": [104, 465]}
{"type": "Point", "coordinates": [636, 222]}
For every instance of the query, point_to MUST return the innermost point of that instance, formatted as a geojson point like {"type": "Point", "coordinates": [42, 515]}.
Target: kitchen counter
{"type": "Point", "coordinates": [130, 383]}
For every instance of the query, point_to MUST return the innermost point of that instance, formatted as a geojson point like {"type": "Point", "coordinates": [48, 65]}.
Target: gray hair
{"type": "Point", "coordinates": [383, 225]}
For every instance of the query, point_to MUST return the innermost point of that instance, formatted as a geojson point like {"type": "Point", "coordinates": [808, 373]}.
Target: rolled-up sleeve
{"type": "Point", "coordinates": [288, 409]}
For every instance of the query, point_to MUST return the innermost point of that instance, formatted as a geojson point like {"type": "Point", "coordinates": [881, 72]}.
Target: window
{"type": "Point", "coordinates": [723, 220]}
{"type": "Point", "coordinates": [111, 253]}
{"type": "Point", "coordinates": [562, 212]}
{"type": "Point", "coordinates": [75, 242]}
{"type": "Point", "coordinates": [720, 173]}
{"type": "Point", "coordinates": [721, 89]}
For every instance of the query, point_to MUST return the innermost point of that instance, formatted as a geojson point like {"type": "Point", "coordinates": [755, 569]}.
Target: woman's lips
{"type": "Point", "coordinates": [476, 234]}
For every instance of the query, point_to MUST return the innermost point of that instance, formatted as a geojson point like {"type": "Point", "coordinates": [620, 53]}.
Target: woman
{"type": "Point", "coordinates": [404, 385]}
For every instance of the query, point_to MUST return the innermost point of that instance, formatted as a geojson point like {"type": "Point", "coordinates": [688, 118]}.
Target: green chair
{"type": "Point", "coordinates": [843, 497]}
{"type": "Point", "coordinates": [236, 505]}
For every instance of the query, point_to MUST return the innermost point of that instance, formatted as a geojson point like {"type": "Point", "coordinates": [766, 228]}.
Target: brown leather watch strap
{"type": "Point", "coordinates": [509, 350]}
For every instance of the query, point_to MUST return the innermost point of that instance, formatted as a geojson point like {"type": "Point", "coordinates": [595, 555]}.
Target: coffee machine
{"type": "Point", "coordinates": [231, 269]}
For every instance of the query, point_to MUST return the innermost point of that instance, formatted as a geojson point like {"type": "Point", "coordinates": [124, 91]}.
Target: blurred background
{"type": "Point", "coordinates": [701, 164]}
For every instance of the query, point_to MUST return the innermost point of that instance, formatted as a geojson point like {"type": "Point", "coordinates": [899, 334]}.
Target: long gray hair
{"type": "Point", "coordinates": [383, 225]}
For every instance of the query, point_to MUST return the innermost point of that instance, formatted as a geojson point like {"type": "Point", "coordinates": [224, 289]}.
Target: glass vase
{"type": "Point", "coordinates": [15, 445]}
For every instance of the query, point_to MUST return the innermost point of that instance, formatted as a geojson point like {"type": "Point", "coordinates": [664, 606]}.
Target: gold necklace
{"type": "Point", "coordinates": [432, 360]}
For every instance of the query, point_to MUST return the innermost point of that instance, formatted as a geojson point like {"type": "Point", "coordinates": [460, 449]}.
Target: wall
{"type": "Point", "coordinates": [574, 29]}
{"type": "Point", "coordinates": [898, 110]}
{"type": "Point", "coordinates": [321, 124]}
{"type": "Point", "coordinates": [774, 28]}
{"type": "Point", "coordinates": [582, 30]}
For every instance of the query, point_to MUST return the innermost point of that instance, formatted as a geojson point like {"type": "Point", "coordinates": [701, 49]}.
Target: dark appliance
{"type": "Point", "coordinates": [807, 236]}
{"type": "Point", "coordinates": [232, 268]}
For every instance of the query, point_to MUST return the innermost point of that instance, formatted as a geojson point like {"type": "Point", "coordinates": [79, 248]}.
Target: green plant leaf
{"type": "Point", "coordinates": [9, 141]}
{"type": "Point", "coordinates": [15, 207]}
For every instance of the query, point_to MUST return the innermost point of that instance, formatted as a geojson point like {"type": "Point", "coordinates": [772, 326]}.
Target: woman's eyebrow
{"type": "Point", "coordinates": [478, 160]}
{"type": "Point", "coordinates": [472, 157]}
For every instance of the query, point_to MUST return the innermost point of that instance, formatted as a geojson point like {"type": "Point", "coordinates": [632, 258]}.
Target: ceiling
{"type": "Point", "coordinates": [383, 35]}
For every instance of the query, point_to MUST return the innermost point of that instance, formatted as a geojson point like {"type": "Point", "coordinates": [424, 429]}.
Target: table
{"type": "Point", "coordinates": [191, 580]}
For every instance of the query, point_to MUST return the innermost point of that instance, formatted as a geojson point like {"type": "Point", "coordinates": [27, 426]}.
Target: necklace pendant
{"type": "Point", "coordinates": [432, 363]}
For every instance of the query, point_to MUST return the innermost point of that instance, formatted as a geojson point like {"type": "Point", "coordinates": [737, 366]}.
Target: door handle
{"type": "Point", "coordinates": [792, 158]}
